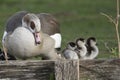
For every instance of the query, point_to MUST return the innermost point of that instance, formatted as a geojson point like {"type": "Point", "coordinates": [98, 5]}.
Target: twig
{"type": "Point", "coordinates": [116, 23]}
{"type": "Point", "coordinates": [110, 18]}
{"type": "Point", "coordinates": [107, 47]}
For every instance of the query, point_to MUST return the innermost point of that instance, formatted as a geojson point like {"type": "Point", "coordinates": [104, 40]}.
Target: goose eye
{"type": "Point", "coordinates": [32, 25]}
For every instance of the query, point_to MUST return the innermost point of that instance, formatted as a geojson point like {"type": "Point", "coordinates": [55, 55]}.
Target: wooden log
{"type": "Point", "coordinates": [26, 70]}
{"type": "Point", "coordinates": [67, 70]}
{"type": "Point", "coordinates": [64, 70]}
{"type": "Point", "coordinates": [100, 69]}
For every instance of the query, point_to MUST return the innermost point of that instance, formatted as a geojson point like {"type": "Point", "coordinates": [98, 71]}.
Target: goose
{"type": "Point", "coordinates": [23, 37]}
{"type": "Point", "coordinates": [82, 50]}
{"type": "Point", "coordinates": [49, 25]}
{"type": "Point", "coordinates": [70, 51]}
{"type": "Point", "coordinates": [92, 49]}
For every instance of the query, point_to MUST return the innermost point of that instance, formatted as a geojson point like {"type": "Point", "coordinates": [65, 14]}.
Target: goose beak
{"type": "Point", "coordinates": [37, 38]}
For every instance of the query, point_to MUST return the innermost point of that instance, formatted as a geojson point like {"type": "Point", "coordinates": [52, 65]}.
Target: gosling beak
{"type": "Point", "coordinates": [37, 38]}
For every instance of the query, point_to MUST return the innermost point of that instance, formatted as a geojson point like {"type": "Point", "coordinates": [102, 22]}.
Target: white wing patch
{"type": "Point", "coordinates": [57, 38]}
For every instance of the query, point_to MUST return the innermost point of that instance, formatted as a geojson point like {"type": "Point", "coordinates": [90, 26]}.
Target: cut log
{"type": "Point", "coordinates": [61, 70]}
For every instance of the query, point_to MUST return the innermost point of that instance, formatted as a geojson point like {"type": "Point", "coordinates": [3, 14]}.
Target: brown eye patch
{"type": "Point", "coordinates": [26, 19]}
{"type": "Point", "coordinates": [32, 25]}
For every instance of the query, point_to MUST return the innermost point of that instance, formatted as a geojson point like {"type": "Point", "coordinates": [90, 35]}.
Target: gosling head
{"type": "Point", "coordinates": [80, 42]}
{"type": "Point", "coordinates": [91, 41]}
{"type": "Point", "coordinates": [71, 45]}
{"type": "Point", "coordinates": [32, 23]}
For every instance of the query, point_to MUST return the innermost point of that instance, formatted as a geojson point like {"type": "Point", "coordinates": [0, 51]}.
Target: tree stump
{"type": "Point", "coordinates": [67, 70]}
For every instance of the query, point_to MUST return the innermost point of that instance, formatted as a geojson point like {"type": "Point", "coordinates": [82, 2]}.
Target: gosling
{"type": "Point", "coordinates": [81, 48]}
{"type": "Point", "coordinates": [71, 51]}
{"type": "Point", "coordinates": [92, 49]}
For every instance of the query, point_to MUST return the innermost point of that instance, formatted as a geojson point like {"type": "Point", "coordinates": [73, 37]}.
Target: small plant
{"type": "Point", "coordinates": [115, 21]}
{"type": "Point", "coordinates": [114, 52]}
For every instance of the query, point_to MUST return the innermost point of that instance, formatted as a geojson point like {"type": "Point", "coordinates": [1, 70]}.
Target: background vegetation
{"type": "Point", "coordinates": [78, 18]}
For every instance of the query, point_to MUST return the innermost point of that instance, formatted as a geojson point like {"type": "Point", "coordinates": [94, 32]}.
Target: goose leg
{"type": "Point", "coordinates": [5, 52]}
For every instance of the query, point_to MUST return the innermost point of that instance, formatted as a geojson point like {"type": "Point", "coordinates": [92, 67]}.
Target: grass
{"type": "Point", "coordinates": [78, 18]}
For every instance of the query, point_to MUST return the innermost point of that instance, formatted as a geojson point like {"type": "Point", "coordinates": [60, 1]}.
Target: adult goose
{"type": "Point", "coordinates": [23, 37]}
{"type": "Point", "coordinates": [92, 49]}
{"type": "Point", "coordinates": [49, 25]}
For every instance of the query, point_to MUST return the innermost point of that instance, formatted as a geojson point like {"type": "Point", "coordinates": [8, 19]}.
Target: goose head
{"type": "Point", "coordinates": [32, 23]}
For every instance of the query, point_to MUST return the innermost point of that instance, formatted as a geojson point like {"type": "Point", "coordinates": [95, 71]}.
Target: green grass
{"type": "Point", "coordinates": [78, 18]}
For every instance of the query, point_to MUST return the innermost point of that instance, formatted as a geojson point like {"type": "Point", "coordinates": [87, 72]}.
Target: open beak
{"type": "Point", "coordinates": [37, 38]}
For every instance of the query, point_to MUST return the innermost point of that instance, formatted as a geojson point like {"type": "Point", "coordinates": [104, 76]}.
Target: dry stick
{"type": "Point", "coordinates": [110, 18]}
{"type": "Point", "coordinates": [5, 52]}
{"type": "Point", "coordinates": [107, 47]}
{"type": "Point", "coordinates": [116, 23]}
